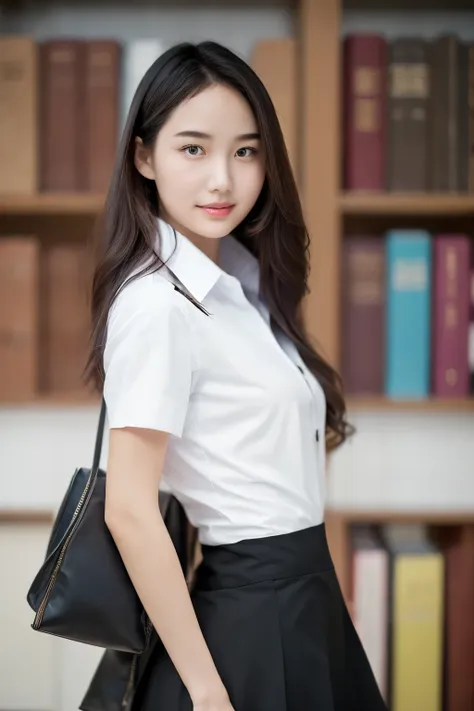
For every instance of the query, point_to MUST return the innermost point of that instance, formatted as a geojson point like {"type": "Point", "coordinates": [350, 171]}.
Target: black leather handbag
{"type": "Point", "coordinates": [82, 592]}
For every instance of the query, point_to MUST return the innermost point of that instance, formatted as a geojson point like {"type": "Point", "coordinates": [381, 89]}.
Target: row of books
{"type": "Point", "coordinates": [413, 607]}
{"type": "Point", "coordinates": [407, 321]}
{"type": "Point", "coordinates": [408, 113]}
{"type": "Point", "coordinates": [44, 316]}
{"type": "Point", "coordinates": [67, 102]}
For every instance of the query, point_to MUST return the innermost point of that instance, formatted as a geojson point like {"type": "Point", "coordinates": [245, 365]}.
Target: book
{"type": "Point", "coordinates": [449, 107]}
{"type": "Point", "coordinates": [19, 317]}
{"type": "Point", "coordinates": [408, 317]}
{"type": "Point", "coordinates": [370, 599]}
{"type": "Point", "coordinates": [364, 99]}
{"type": "Point", "coordinates": [65, 317]}
{"type": "Point", "coordinates": [363, 314]}
{"type": "Point", "coordinates": [457, 546]}
{"type": "Point", "coordinates": [417, 603]}
{"type": "Point", "coordinates": [18, 115]}
{"type": "Point", "coordinates": [101, 112]}
{"type": "Point", "coordinates": [62, 135]}
{"type": "Point", "coordinates": [450, 327]}
{"type": "Point", "coordinates": [408, 109]}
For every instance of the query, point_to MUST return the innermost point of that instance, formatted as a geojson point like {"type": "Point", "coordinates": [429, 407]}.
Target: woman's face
{"type": "Point", "coordinates": [207, 162]}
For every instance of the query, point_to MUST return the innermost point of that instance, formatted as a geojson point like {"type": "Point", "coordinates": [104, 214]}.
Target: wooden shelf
{"type": "Point", "coordinates": [428, 405]}
{"type": "Point", "coordinates": [52, 204]}
{"type": "Point", "coordinates": [406, 204]}
{"type": "Point", "coordinates": [349, 204]}
{"type": "Point", "coordinates": [79, 399]}
{"type": "Point", "coordinates": [25, 516]}
{"type": "Point", "coordinates": [380, 516]}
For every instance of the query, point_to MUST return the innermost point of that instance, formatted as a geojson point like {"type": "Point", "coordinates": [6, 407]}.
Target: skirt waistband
{"type": "Point", "coordinates": [258, 559]}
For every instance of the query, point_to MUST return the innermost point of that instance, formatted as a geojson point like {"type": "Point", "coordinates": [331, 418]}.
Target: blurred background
{"type": "Point", "coordinates": [376, 101]}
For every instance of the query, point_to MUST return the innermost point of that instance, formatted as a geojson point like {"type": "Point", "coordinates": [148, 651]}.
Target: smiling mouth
{"type": "Point", "coordinates": [217, 210]}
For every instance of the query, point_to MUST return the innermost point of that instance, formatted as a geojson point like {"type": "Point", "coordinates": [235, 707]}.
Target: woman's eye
{"type": "Point", "coordinates": [192, 150]}
{"type": "Point", "coordinates": [245, 152]}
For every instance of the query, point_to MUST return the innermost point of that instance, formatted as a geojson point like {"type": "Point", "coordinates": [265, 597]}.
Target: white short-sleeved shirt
{"type": "Point", "coordinates": [246, 454]}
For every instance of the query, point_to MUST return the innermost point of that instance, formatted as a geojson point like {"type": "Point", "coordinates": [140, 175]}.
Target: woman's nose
{"type": "Point", "coordinates": [220, 177]}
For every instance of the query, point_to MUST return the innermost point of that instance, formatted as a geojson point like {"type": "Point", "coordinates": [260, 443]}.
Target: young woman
{"type": "Point", "coordinates": [212, 386]}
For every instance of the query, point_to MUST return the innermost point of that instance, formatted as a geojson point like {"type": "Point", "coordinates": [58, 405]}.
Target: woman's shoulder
{"type": "Point", "coordinates": [146, 295]}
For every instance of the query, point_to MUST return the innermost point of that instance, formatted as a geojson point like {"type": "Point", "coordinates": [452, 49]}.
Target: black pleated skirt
{"type": "Point", "coordinates": [276, 624]}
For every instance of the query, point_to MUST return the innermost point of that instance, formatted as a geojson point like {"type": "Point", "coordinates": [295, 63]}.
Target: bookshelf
{"type": "Point", "coordinates": [318, 26]}
{"type": "Point", "coordinates": [339, 521]}
{"type": "Point", "coordinates": [329, 210]}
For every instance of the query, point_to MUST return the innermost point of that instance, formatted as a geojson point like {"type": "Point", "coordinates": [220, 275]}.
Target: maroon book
{"type": "Point", "coordinates": [451, 315]}
{"type": "Point", "coordinates": [364, 109]}
{"type": "Point", "coordinates": [102, 93]}
{"type": "Point", "coordinates": [457, 546]}
{"type": "Point", "coordinates": [61, 114]}
{"type": "Point", "coordinates": [471, 325]}
{"type": "Point", "coordinates": [363, 314]}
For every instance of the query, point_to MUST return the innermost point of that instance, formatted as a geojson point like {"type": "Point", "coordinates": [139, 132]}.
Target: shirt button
{"type": "Point", "coordinates": [317, 435]}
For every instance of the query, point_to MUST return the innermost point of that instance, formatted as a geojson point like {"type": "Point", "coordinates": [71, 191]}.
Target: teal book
{"type": "Point", "coordinates": [408, 318]}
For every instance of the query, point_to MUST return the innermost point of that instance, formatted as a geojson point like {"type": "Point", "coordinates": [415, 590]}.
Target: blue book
{"type": "Point", "coordinates": [408, 319]}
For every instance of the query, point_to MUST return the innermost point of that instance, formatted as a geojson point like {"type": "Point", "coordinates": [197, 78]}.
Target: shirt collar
{"type": "Point", "coordinates": [197, 272]}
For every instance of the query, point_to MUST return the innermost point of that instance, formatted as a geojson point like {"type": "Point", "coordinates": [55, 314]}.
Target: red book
{"type": "Point", "coordinates": [61, 114]}
{"type": "Point", "coordinates": [451, 315]}
{"type": "Point", "coordinates": [363, 315]}
{"type": "Point", "coordinates": [471, 326]}
{"type": "Point", "coordinates": [102, 93]}
{"type": "Point", "coordinates": [457, 545]}
{"type": "Point", "coordinates": [364, 106]}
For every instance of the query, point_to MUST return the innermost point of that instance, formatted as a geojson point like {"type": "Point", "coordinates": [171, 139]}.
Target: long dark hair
{"type": "Point", "coordinates": [274, 231]}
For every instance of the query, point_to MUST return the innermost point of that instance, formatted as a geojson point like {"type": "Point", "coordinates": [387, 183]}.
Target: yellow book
{"type": "Point", "coordinates": [417, 611]}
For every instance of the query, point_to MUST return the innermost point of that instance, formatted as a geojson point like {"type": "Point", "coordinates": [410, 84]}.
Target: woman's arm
{"type": "Point", "coordinates": [132, 514]}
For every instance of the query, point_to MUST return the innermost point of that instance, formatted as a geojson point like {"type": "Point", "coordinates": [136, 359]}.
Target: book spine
{"type": "Point", "coordinates": [363, 314]}
{"type": "Point", "coordinates": [451, 256]}
{"type": "Point", "coordinates": [418, 608]}
{"type": "Point", "coordinates": [471, 327]}
{"type": "Point", "coordinates": [408, 115]}
{"type": "Point", "coordinates": [19, 115]}
{"type": "Point", "coordinates": [444, 138]}
{"type": "Point", "coordinates": [102, 84]}
{"type": "Point", "coordinates": [18, 318]}
{"type": "Point", "coordinates": [61, 115]}
{"type": "Point", "coordinates": [471, 118]}
{"type": "Point", "coordinates": [365, 108]}
{"type": "Point", "coordinates": [463, 117]}
{"type": "Point", "coordinates": [408, 314]}
{"type": "Point", "coordinates": [458, 550]}
{"type": "Point", "coordinates": [370, 579]}
{"type": "Point", "coordinates": [65, 273]}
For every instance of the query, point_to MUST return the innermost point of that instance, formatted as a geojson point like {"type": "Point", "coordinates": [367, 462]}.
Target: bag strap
{"type": "Point", "coordinates": [99, 438]}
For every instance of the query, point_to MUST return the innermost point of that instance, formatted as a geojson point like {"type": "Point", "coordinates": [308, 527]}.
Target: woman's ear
{"type": "Point", "coordinates": [143, 159]}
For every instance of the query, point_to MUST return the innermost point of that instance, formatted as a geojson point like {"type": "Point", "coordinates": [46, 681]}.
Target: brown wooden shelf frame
{"type": "Point", "coordinates": [430, 404]}
{"type": "Point", "coordinates": [52, 204]}
{"type": "Point", "coordinates": [431, 204]}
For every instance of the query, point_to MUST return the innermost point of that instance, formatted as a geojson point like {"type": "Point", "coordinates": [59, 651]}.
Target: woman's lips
{"type": "Point", "coordinates": [217, 210]}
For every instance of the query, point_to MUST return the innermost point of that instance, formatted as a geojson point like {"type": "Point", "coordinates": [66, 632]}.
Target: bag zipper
{"type": "Point", "coordinates": [39, 615]}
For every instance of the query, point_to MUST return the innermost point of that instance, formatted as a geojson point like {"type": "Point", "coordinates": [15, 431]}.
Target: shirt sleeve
{"type": "Point", "coordinates": [148, 358]}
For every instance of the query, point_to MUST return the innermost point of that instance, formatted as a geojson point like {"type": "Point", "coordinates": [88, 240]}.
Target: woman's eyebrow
{"type": "Point", "coordinates": [199, 134]}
